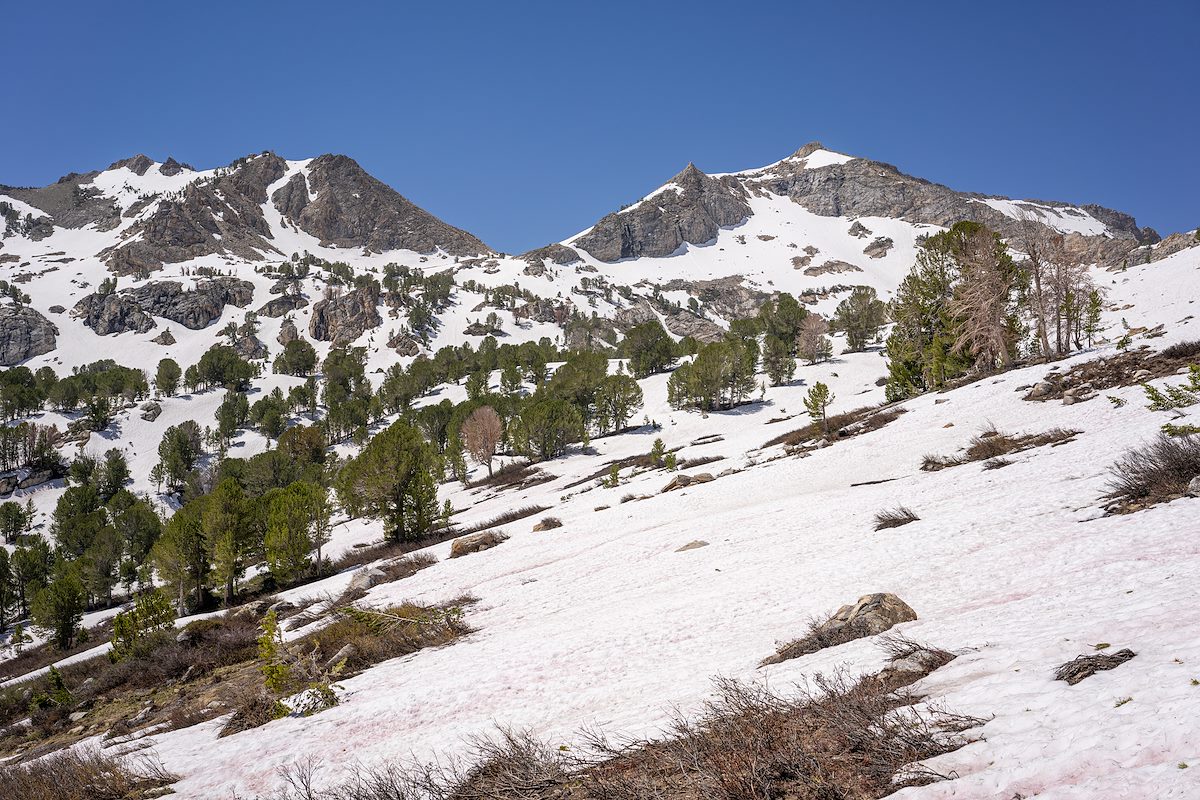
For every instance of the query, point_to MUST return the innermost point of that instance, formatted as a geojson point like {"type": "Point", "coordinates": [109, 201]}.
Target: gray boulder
{"type": "Point", "coordinates": [1193, 487]}
{"type": "Point", "coordinates": [366, 578]}
{"type": "Point", "coordinates": [476, 543]}
{"type": "Point", "coordinates": [284, 304]}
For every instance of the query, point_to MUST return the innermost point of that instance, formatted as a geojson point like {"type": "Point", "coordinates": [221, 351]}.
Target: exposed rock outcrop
{"type": "Point", "coordinates": [343, 318]}
{"type": "Point", "coordinates": [195, 308]}
{"type": "Point", "coordinates": [339, 203]}
{"type": "Point", "coordinates": [404, 345]}
{"type": "Point", "coordinates": [690, 209]}
{"type": "Point", "coordinates": [879, 247]}
{"type": "Point", "coordinates": [287, 332]}
{"type": "Point", "coordinates": [283, 304]}
{"type": "Point", "coordinates": [24, 333]}
{"type": "Point", "coordinates": [71, 202]}
{"type": "Point", "coordinates": [831, 267]}
{"type": "Point", "coordinates": [555, 253]}
{"type": "Point", "coordinates": [165, 338]}
{"type": "Point", "coordinates": [112, 313]}
{"type": "Point", "coordinates": [861, 187]}
{"type": "Point", "coordinates": [250, 348]}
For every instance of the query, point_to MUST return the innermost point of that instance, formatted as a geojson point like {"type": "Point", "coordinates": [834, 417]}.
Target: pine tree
{"type": "Point", "coordinates": [778, 362]}
{"type": "Point", "coordinates": [817, 402]}
{"type": "Point", "coordinates": [860, 317]}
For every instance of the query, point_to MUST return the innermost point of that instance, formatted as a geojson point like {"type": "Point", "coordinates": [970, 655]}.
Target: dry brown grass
{"type": "Point", "coordinates": [83, 775]}
{"type": "Point", "coordinates": [839, 738]}
{"type": "Point", "coordinates": [377, 635]}
{"type": "Point", "coordinates": [517, 474]}
{"type": "Point", "coordinates": [1157, 472]}
{"type": "Point", "coordinates": [990, 445]}
{"type": "Point", "coordinates": [841, 426]}
{"type": "Point", "coordinates": [1086, 666]}
{"type": "Point", "coordinates": [894, 518]}
{"type": "Point", "coordinates": [511, 515]}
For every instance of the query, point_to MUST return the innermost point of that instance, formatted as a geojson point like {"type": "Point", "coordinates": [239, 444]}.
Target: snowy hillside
{"type": "Point", "coordinates": [612, 621]}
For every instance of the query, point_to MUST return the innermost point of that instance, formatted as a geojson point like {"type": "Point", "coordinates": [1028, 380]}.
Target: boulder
{"type": "Point", "coordinates": [250, 348]}
{"type": "Point", "coordinates": [1193, 487]}
{"type": "Point", "coordinates": [150, 410]}
{"type": "Point", "coordinates": [681, 480]}
{"type": "Point", "coordinates": [366, 578]}
{"type": "Point", "coordinates": [859, 231]}
{"type": "Point", "coordinates": [475, 543]}
{"type": "Point", "coordinates": [166, 338]}
{"type": "Point", "coordinates": [24, 333]}
{"type": "Point", "coordinates": [874, 613]}
{"type": "Point", "coordinates": [35, 479]}
{"type": "Point", "coordinates": [695, 545]}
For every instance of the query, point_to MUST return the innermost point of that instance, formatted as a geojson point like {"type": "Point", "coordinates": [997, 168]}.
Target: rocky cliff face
{"type": "Point", "coordinates": [691, 208]}
{"type": "Point", "coordinates": [343, 318]}
{"type": "Point", "coordinates": [339, 203]}
{"type": "Point", "coordinates": [222, 215]}
{"type": "Point", "coordinates": [24, 333]}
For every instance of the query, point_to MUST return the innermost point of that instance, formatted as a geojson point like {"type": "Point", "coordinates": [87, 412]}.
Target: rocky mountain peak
{"type": "Point", "coordinates": [337, 201]}
{"type": "Point", "coordinates": [138, 164]}
{"type": "Point", "coordinates": [688, 209]}
{"type": "Point", "coordinates": [806, 151]}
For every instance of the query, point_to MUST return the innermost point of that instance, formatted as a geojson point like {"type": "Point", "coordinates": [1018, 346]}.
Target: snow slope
{"type": "Point", "coordinates": [602, 623]}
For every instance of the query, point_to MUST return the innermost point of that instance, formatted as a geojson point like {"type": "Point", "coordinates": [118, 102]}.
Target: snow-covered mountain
{"type": "Point", "coordinates": [814, 224]}
{"type": "Point", "coordinates": [625, 614]}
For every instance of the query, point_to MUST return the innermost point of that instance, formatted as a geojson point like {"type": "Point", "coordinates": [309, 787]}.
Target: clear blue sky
{"type": "Point", "coordinates": [524, 122]}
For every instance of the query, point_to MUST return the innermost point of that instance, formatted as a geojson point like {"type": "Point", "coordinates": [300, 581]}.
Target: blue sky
{"type": "Point", "coordinates": [524, 122]}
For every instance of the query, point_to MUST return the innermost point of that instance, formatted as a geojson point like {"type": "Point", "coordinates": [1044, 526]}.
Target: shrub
{"type": "Point", "coordinates": [508, 516]}
{"type": "Point", "coordinates": [1183, 350]}
{"type": "Point", "coordinates": [1157, 471]}
{"type": "Point", "coordinates": [894, 518]}
{"type": "Point", "coordinates": [83, 775]}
